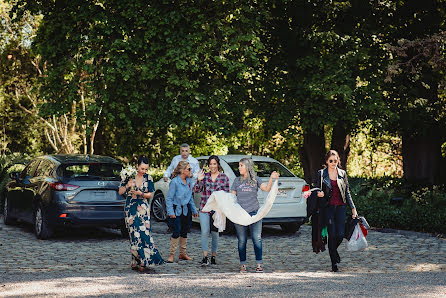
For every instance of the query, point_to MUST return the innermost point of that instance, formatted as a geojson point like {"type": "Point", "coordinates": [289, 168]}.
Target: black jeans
{"type": "Point", "coordinates": [180, 225]}
{"type": "Point", "coordinates": [336, 227]}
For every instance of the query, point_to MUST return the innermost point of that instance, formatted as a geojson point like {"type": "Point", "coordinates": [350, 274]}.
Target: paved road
{"type": "Point", "coordinates": [92, 262]}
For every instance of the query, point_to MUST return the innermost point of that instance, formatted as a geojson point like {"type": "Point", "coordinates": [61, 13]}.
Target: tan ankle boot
{"type": "Point", "coordinates": [173, 249]}
{"type": "Point", "coordinates": [183, 245]}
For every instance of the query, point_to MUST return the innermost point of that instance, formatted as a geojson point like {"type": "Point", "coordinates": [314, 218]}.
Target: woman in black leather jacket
{"type": "Point", "coordinates": [335, 190]}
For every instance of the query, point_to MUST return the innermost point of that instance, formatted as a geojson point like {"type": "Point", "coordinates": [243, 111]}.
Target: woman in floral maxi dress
{"type": "Point", "coordinates": [137, 218]}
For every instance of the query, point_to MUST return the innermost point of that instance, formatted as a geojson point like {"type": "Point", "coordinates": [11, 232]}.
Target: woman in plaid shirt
{"type": "Point", "coordinates": [207, 183]}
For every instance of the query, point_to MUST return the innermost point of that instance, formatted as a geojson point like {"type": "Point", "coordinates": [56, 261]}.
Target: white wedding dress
{"type": "Point", "coordinates": [225, 205]}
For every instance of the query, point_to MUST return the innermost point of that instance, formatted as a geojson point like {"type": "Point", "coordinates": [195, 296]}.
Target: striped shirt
{"type": "Point", "coordinates": [207, 186]}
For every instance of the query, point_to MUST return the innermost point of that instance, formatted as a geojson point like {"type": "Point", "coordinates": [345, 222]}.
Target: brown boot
{"type": "Point", "coordinates": [173, 249]}
{"type": "Point", "coordinates": [183, 245]}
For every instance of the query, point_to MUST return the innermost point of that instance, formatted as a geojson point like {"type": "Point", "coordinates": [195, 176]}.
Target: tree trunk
{"type": "Point", "coordinates": [422, 159]}
{"type": "Point", "coordinates": [312, 154]}
{"type": "Point", "coordinates": [340, 141]}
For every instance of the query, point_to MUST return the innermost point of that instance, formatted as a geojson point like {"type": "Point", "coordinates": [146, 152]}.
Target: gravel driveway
{"type": "Point", "coordinates": [95, 262]}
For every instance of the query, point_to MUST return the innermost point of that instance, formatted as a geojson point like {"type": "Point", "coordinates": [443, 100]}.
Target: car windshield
{"type": "Point", "coordinates": [264, 169]}
{"type": "Point", "coordinates": [91, 171]}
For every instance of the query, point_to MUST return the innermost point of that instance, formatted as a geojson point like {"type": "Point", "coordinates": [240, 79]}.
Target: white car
{"type": "Point", "coordinates": [288, 211]}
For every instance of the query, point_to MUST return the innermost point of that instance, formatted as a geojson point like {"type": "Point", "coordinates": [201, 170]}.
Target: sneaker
{"type": "Point", "coordinates": [205, 261]}
{"type": "Point", "coordinates": [213, 261]}
{"type": "Point", "coordinates": [243, 269]}
{"type": "Point", "coordinates": [259, 268]}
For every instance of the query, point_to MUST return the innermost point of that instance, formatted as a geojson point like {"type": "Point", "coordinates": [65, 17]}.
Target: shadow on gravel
{"type": "Point", "coordinates": [89, 233]}
{"type": "Point", "coordinates": [428, 284]}
{"type": "Point", "coordinates": [73, 233]}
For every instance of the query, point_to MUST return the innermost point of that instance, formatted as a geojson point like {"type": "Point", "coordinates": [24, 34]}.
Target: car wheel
{"type": "Point", "coordinates": [124, 232]}
{"type": "Point", "coordinates": [7, 219]}
{"type": "Point", "coordinates": [41, 227]}
{"type": "Point", "coordinates": [291, 227]}
{"type": "Point", "coordinates": [158, 207]}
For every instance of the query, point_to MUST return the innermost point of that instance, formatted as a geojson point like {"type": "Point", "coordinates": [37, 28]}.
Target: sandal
{"type": "Point", "coordinates": [147, 270]}
{"type": "Point", "coordinates": [133, 265]}
{"type": "Point", "coordinates": [243, 269]}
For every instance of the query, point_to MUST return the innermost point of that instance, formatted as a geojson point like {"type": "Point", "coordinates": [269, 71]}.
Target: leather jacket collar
{"type": "Point", "coordinates": [340, 181]}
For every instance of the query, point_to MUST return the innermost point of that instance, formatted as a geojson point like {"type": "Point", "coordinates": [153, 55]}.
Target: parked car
{"type": "Point", "coordinates": [66, 190]}
{"type": "Point", "coordinates": [288, 210]}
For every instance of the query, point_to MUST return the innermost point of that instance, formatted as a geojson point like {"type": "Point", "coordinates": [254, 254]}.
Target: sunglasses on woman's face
{"type": "Point", "coordinates": [188, 169]}
{"type": "Point", "coordinates": [332, 160]}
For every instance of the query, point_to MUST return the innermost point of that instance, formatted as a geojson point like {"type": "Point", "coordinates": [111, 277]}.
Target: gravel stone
{"type": "Point", "coordinates": [96, 262]}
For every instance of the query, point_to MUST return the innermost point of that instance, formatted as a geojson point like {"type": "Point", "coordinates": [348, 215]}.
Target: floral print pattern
{"type": "Point", "coordinates": [137, 219]}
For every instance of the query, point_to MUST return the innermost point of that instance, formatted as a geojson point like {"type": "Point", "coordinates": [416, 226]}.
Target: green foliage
{"type": "Point", "coordinates": [239, 77]}
{"type": "Point", "coordinates": [10, 163]}
{"type": "Point", "coordinates": [423, 209]}
{"type": "Point", "coordinates": [374, 153]}
{"type": "Point", "coordinates": [157, 65]}
{"type": "Point", "coordinates": [18, 130]}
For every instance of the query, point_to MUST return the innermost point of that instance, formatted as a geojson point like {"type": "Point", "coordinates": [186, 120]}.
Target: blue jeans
{"type": "Point", "coordinates": [205, 224]}
{"type": "Point", "coordinates": [180, 225]}
{"type": "Point", "coordinates": [336, 227]}
{"type": "Point", "coordinates": [256, 236]}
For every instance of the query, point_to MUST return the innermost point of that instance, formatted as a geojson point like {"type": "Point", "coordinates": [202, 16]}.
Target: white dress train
{"type": "Point", "coordinates": [225, 205]}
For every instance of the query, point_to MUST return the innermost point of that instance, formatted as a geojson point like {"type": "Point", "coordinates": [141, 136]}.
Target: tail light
{"type": "Point", "coordinates": [306, 187]}
{"type": "Point", "coordinates": [62, 187]}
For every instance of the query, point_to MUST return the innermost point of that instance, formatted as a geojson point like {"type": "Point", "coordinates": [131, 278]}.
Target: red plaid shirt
{"type": "Point", "coordinates": [207, 187]}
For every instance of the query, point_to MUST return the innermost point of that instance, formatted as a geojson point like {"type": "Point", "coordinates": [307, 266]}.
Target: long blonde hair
{"type": "Point", "coordinates": [249, 165]}
{"type": "Point", "coordinates": [181, 166]}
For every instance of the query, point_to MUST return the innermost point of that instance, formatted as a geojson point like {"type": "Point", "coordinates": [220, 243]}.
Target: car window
{"type": "Point", "coordinates": [91, 171]}
{"type": "Point", "coordinates": [45, 169]}
{"type": "Point", "coordinates": [29, 170]}
{"type": "Point", "coordinates": [264, 169]}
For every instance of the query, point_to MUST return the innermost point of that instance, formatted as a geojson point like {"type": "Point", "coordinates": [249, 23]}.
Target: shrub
{"type": "Point", "coordinates": [423, 208]}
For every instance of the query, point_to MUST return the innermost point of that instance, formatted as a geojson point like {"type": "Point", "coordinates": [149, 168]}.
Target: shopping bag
{"type": "Point", "coordinates": [364, 230]}
{"type": "Point", "coordinates": [364, 222]}
{"type": "Point", "coordinates": [357, 241]}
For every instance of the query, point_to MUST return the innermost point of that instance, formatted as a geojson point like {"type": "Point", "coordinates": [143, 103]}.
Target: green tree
{"type": "Point", "coordinates": [142, 67]}
{"type": "Point", "coordinates": [18, 76]}
{"type": "Point", "coordinates": [322, 73]}
{"type": "Point", "coordinates": [416, 89]}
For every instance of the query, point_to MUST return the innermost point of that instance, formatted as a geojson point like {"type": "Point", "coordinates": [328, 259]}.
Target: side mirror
{"type": "Point", "coordinates": [14, 175]}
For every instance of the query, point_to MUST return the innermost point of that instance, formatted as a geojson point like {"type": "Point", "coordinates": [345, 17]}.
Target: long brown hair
{"type": "Point", "coordinates": [181, 166]}
{"type": "Point", "coordinates": [217, 160]}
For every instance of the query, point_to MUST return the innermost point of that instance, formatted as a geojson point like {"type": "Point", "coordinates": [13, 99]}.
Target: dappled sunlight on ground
{"type": "Point", "coordinates": [223, 284]}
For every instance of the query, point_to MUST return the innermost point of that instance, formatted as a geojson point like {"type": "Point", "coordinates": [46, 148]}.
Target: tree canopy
{"type": "Point", "coordinates": [285, 78]}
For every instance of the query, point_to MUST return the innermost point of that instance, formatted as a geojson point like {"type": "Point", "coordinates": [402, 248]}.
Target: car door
{"type": "Point", "coordinates": [23, 191]}
{"type": "Point", "coordinates": [34, 188]}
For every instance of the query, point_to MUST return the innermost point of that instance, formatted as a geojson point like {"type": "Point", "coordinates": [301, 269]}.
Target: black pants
{"type": "Point", "coordinates": [180, 225]}
{"type": "Point", "coordinates": [336, 227]}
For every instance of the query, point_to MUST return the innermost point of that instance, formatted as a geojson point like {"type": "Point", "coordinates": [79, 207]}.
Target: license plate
{"type": "Point", "coordinates": [281, 193]}
{"type": "Point", "coordinates": [99, 194]}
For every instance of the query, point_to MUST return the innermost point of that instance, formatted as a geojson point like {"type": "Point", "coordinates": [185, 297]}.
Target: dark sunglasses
{"type": "Point", "coordinates": [332, 160]}
{"type": "Point", "coordinates": [188, 169]}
